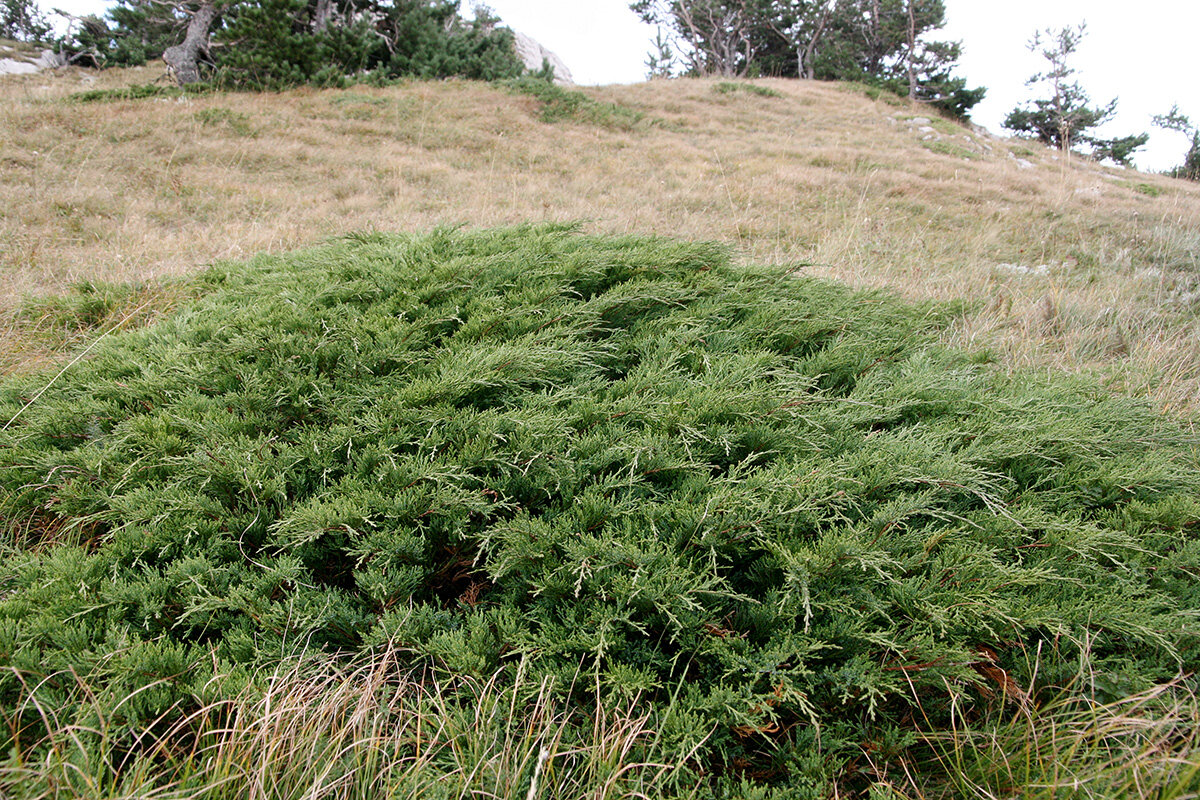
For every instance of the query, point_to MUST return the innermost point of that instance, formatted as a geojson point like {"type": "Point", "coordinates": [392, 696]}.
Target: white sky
{"type": "Point", "coordinates": [1143, 53]}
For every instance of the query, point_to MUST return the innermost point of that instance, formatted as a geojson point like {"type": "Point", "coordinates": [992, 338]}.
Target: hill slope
{"type": "Point", "coordinates": [1071, 265]}
{"type": "Point", "coordinates": [527, 511]}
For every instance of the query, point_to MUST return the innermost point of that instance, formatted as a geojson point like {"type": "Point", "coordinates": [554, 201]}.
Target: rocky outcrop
{"type": "Point", "coordinates": [533, 54]}
{"type": "Point", "coordinates": [25, 65]}
{"type": "Point", "coordinates": [11, 66]}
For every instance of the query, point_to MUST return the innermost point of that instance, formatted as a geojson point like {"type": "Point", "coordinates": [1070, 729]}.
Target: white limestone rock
{"type": "Point", "coordinates": [532, 54]}
{"type": "Point", "coordinates": [26, 65]}
{"type": "Point", "coordinates": [12, 66]}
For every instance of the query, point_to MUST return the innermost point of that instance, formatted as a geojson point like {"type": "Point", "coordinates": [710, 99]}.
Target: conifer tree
{"type": "Point", "coordinates": [277, 43]}
{"type": "Point", "coordinates": [22, 20]}
{"type": "Point", "coordinates": [1175, 120]}
{"type": "Point", "coordinates": [1064, 118]}
{"type": "Point", "coordinates": [885, 43]}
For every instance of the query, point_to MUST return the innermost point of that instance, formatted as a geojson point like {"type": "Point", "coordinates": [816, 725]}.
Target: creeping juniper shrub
{"type": "Point", "coordinates": [766, 508]}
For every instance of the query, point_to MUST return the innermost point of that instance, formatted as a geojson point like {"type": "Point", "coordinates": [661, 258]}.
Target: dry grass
{"type": "Point", "coordinates": [1144, 746]}
{"type": "Point", "coordinates": [824, 175]}
{"type": "Point", "coordinates": [319, 729]}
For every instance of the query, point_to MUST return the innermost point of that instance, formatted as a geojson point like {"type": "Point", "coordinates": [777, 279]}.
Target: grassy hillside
{"type": "Point", "coordinates": [1069, 266]}
{"type": "Point", "coordinates": [578, 507]}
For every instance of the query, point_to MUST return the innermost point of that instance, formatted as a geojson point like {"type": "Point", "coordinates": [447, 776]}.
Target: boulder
{"type": "Point", "coordinates": [533, 54]}
{"type": "Point", "coordinates": [12, 66]}
{"type": "Point", "coordinates": [27, 64]}
{"type": "Point", "coordinates": [51, 60]}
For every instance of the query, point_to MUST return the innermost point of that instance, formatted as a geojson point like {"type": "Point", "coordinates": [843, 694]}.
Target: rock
{"type": "Point", "coordinates": [919, 120]}
{"type": "Point", "coordinates": [925, 129]}
{"type": "Point", "coordinates": [1021, 269]}
{"type": "Point", "coordinates": [28, 66]}
{"type": "Point", "coordinates": [532, 54]}
{"type": "Point", "coordinates": [1023, 164]}
{"type": "Point", "coordinates": [11, 66]}
{"type": "Point", "coordinates": [50, 60]}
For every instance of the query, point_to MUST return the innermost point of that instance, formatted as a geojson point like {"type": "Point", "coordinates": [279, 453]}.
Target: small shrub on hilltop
{"type": "Point", "coordinates": [730, 87]}
{"type": "Point", "coordinates": [765, 511]}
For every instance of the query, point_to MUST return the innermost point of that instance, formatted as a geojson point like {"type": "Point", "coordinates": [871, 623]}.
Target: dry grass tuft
{"type": "Point", "coordinates": [1142, 747]}
{"type": "Point", "coordinates": [317, 728]}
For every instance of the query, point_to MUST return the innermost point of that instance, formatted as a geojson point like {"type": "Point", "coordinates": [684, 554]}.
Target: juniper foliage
{"type": "Point", "coordinates": [766, 508]}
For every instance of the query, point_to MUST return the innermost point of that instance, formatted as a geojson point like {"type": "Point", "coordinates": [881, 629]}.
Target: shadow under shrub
{"type": "Point", "coordinates": [766, 504]}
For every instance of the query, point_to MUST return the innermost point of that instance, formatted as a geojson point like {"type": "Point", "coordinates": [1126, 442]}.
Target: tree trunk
{"type": "Point", "coordinates": [183, 58]}
{"type": "Point", "coordinates": [805, 67]}
{"type": "Point", "coordinates": [912, 52]}
{"type": "Point", "coordinates": [321, 16]}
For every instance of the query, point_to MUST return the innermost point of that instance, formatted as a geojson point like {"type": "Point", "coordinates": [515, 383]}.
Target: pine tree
{"type": "Point", "coordinates": [881, 42]}
{"type": "Point", "coordinates": [23, 20]}
{"type": "Point", "coordinates": [1063, 119]}
{"type": "Point", "coordinates": [278, 43]}
{"type": "Point", "coordinates": [1175, 120]}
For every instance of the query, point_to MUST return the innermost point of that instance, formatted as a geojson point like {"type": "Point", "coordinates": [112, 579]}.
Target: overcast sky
{"type": "Point", "coordinates": [1141, 52]}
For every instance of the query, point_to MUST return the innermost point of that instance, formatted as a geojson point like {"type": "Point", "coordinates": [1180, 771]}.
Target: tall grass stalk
{"type": "Point", "coordinates": [318, 728]}
{"type": "Point", "coordinates": [1145, 746]}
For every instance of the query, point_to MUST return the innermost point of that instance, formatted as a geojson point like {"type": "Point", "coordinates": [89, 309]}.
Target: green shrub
{"type": "Point", "coordinates": [136, 92]}
{"type": "Point", "coordinates": [767, 503]}
{"type": "Point", "coordinates": [730, 87]}
{"type": "Point", "coordinates": [950, 149]}
{"type": "Point", "coordinates": [275, 44]}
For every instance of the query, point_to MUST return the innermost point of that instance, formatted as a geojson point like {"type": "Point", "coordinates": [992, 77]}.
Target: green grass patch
{"type": "Point", "coordinates": [571, 105]}
{"type": "Point", "coordinates": [1148, 189]}
{"type": "Point", "coordinates": [878, 93]}
{"type": "Point", "coordinates": [950, 149]}
{"type": "Point", "coordinates": [137, 92]}
{"type": "Point", "coordinates": [732, 87]}
{"type": "Point", "coordinates": [236, 121]}
{"type": "Point", "coordinates": [86, 305]}
{"type": "Point", "coordinates": [358, 98]}
{"type": "Point", "coordinates": [763, 514]}
{"type": "Point", "coordinates": [92, 309]}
